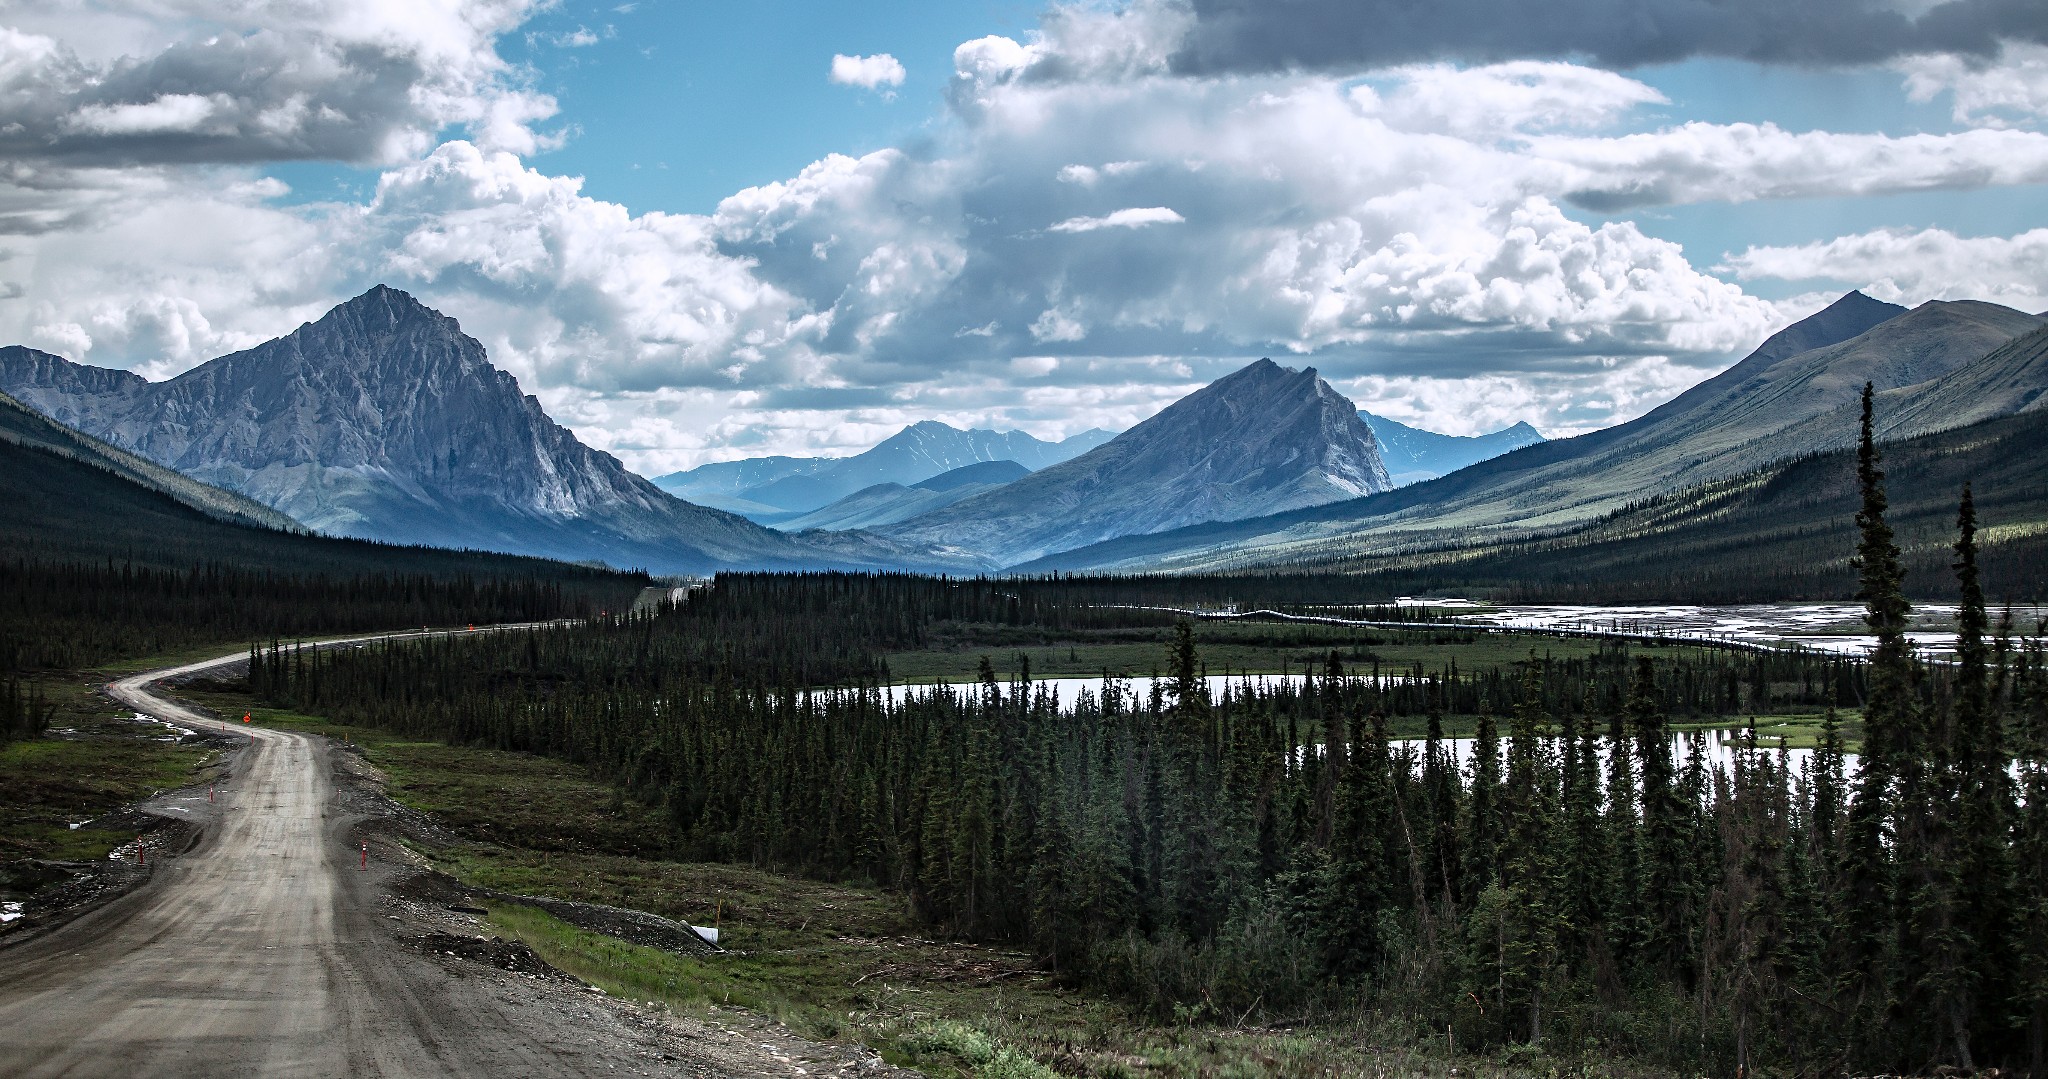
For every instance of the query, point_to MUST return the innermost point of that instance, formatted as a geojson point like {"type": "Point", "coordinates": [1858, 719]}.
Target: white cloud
{"type": "Point", "coordinates": [135, 82]}
{"type": "Point", "coordinates": [1406, 233]}
{"type": "Point", "coordinates": [2013, 89]}
{"type": "Point", "coordinates": [1134, 217]}
{"type": "Point", "coordinates": [1911, 267]}
{"type": "Point", "coordinates": [867, 72]}
{"type": "Point", "coordinates": [171, 113]}
{"type": "Point", "coordinates": [1700, 162]}
{"type": "Point", "coordinates": [1503, 99]}
{"type": "Point", "coordinates": [1052, 324]}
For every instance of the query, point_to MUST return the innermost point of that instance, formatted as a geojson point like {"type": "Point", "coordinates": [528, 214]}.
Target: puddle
{"type": "Point", "coordinates": [178, 733]}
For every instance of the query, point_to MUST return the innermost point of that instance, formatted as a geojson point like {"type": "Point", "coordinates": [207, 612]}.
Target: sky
{"type": "Point", "coordinates": [702, 231]}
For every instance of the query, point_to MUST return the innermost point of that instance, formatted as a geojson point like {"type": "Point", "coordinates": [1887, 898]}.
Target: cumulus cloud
{"type": "Point", "coordinates": [868, 72]}
{"type": "Point", "coordinates": [1911, 267]}
{"type": "Point", "coordinates": [1348, 35]}
{"type": "Point", "coordinates": [1090, 234]}
{"type": "Point", "coordinates": [132, 82]}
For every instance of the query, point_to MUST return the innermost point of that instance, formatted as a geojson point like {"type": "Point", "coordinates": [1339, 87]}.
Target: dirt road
{"type": "Point", "coordinates": [264, 950]}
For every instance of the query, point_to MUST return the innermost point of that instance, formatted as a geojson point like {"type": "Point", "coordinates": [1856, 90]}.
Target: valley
{"type": "Point", "coordinates": [975, 749]}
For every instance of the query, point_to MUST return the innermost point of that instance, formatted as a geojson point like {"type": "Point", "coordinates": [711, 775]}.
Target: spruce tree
{"type": "Point", "coordinates": [1667, 855]}
{"type": "Point", "coordinates": [1869, 917]}
{"type": "Point", "coordinates": [1985, 809]}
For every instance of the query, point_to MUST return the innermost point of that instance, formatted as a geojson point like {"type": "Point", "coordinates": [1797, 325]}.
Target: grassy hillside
{"type": "Point", "coordinates": [1783, 532]}
{"type": "Point", "coordinates": [23, 426]}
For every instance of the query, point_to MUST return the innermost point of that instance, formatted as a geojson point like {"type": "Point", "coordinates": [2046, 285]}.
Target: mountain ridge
{"type": "Point", "coordinates": [1263, 438]}
{"type": "Point", "coordinates": [1555, 483]}
{"type": "Point", "coordinates": [766, 488]}
{"type": "Point", "coordinates": [1413, 454]}
{"type": "Point", "coordinates": [382, 420]}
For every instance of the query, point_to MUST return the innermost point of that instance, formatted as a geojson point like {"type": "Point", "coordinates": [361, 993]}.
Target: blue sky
{"type": "Point", "coordinates": [672, 223]}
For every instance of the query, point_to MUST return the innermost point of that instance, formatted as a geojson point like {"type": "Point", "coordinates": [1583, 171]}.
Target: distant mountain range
{"type": "Point", "coordinates": [1264, 439]}
{"type": "Point", "coordinates": [1413, 454]}
{"type": "Point", "coordinates": [1794, 395]}
{"type": "Point", "coordinates": [888, 503]}
{"type": "Point", "coordinates": [777, 489]}
{"type": "Point", "coordinates": [383, 421]}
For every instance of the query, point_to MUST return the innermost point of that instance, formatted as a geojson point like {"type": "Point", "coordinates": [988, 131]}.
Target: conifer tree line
{"type": "Point", "coordinates": [67, 614]}
{"type": "Point", "coordinates": [1576, 877]}
{"type": "Point", "coordinates": [23, 711]}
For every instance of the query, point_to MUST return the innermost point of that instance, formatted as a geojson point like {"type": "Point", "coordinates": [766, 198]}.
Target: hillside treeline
{"type": "Point", "coordinates": [96, 567]}
{"type": "Point", "coordinates": [1581, 880]}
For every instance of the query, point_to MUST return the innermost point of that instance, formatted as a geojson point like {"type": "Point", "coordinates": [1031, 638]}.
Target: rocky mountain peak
{"type": "Point", "coordinates": [1262, 439]}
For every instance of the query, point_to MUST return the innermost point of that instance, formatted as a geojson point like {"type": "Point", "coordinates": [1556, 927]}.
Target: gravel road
{"type": "Point", "coordinates": [265, 950]}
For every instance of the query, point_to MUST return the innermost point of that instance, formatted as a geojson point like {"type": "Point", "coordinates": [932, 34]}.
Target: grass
{"type": "Point", "coordinates": [955, 651]}
{"type": "Point", "coordinates": [94, 759]}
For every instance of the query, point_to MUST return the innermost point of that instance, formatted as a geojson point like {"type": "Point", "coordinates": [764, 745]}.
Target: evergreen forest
{"type": "Point", "coordinates": [1577, 876]}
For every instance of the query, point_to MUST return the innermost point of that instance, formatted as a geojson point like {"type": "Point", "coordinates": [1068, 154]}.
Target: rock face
{"type": "Point", "coordinates": [382, 420]}
{"type": "Point", "coordinates": [1262, 440]}
{"type": "Point", "coordinates": [1413, 454]}
{"type": "Point", "coordinates": [764, 487]}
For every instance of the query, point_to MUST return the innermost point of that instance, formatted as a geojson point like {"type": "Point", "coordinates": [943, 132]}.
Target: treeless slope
{"type": "Point", "coordinates": [1731, 423]}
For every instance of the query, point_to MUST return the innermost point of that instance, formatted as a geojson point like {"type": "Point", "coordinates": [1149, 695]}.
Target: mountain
{"type": "Point", "coordinates": [1736, 421]}
{"type": "Point", "coordinates": [888, 503]}
{"type": "Point", "coordinates": [1264, 439]}
{"type": "Point", "coordinates": [2012, 379]}
{"type": "Point", "coordinates": [764, 486]}
{"type": "Point", "coordinates": [384, 421]}
{"type": "Point", "coordinates": [1413, 454]}
{"type": "Point", "coordinates": [69, 504]}
{"type": "Point", "coordinates": [23, 426]}
{"type": "Point", "coordinates": [1783, 532]}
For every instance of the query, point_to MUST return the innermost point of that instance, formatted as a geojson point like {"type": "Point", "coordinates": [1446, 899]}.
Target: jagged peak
{"type": "Point", "coordinates": [382, 303]}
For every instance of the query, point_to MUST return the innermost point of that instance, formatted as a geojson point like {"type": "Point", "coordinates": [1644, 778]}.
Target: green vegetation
{"type": "Point", "coordinates": [95, 567]}
{"type": "Point", "coordinates": [99, 761]}
{"type": "Point", "coordinates": [953, 652]}
{"type": "Point", "coordinates": [1581, 885]}
{"type": "Point", "coordinates": [833, 961]}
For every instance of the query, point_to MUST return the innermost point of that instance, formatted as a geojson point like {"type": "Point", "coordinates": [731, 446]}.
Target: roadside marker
{"type": "Point", "coordinates": [209, 794]}
{"type": "Point", "coordinates": [141, 852]}
{"type": "Point", "coordinates": [366, 856]}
